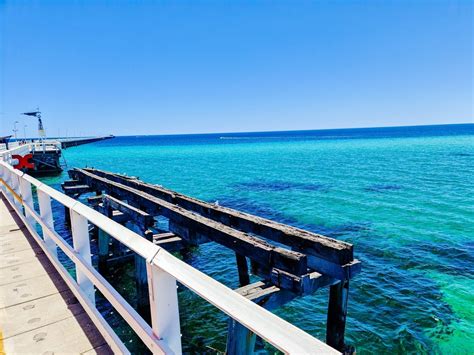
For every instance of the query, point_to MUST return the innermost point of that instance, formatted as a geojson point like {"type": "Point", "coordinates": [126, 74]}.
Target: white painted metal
{"type": "Point", "coordinates": [46, 213]}
{"type": "Point", "coordinates": [15, 185]}
{"type": "Point", "coordinates": [82, 246]}
{"type": "Point", "coordinates": [27, 197]}
{"type": "Point", "coordinates": [164, 307]}
{"type": "Point", "coordinates": [163, 271]}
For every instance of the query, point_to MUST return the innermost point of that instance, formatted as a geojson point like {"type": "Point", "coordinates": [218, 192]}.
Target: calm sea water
{"type": "Point", "coordinates": [403, 196]}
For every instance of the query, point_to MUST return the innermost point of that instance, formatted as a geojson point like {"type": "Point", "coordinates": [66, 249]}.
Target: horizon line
{"type": "Point", "coordinates": [293, 130]}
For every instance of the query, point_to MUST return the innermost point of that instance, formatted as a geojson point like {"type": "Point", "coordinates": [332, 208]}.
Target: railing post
{"type": "Point", "coordinates": [15, 186]}
{"type": "Point", "coordinates": [8, 182]}
{"type": "Point", "coordinates": [27, 197]}
{"type": "Point", "coordinates": [46, 213]}
{"type": "Point", "coordinates": [81, 243]}
{"type": "Point", "coordinates": [3, 173]}
{"type": "Point", "coordinates": [164, 307]}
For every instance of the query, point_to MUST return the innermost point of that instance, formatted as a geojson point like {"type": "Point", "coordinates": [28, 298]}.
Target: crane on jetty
{"type": "Point", "coordinates": [37, 114]}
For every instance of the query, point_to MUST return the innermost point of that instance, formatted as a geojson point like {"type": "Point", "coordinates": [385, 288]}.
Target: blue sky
{"type": "Point", "coordinates": [143, 67]}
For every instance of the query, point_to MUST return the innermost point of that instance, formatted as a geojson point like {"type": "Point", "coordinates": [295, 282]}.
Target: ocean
{"type": "Point", "coordinates": [403, 196]}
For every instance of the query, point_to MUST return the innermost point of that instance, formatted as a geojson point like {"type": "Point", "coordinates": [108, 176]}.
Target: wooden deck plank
{"type": "Point", "coordinates": [20, 257]}
{"type": "Point", "coordinates": [69, 336]}
{"type": "Point", "coordinates": [7, 228]}
{"type": "Point", "coordinates": [17, 273]}
{"type": "Point", "coordinates": [16, 244]}
{"type": "Point", "coordinates": [37, 313]}
{"type": "Point", "coordinates": [28, 290]}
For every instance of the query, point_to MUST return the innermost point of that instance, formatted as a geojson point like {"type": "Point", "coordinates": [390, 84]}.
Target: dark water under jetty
{"type": "Point", "coordinates": [404, 196]}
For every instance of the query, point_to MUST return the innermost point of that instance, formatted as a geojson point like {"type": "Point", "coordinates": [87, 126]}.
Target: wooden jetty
{"type": "Point", "coordinates": [29, 201]}
{"type": "Point", "coordinates": [38, 312]}
{"type": "Point", "coordinates": [290, 262]}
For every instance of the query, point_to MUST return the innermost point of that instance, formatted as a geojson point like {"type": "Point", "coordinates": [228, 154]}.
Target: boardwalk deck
{"type": "Point", "coordinates": [38, 313]}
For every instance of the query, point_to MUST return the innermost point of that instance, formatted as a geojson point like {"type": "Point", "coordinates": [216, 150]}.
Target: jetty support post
{"type": "Point", "coordinates": [337, 313]}
{"type": "Point", "coordinates": [243, 268]}
{"type": "Point", "coordinates": [103, 241]}
{"type": "Point", "coordinates": [240, 340]}
{"type": "Point", "coordinates": [141, 277]}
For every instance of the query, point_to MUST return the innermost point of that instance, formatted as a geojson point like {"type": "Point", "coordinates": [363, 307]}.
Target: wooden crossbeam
{"type": "Point", "coordinates": [169, 241]}
{"type": "Point", "coordinates": [76, 189]}
{"type": "Point", "coordinates": [71, 182]}
{"type": "Point", "coordinates": [139, 217]}
{"type": "Point", "coordinates": [266, 295]}
{"type": "Point", "coordinates": [250, 246]}
{"type": "Point", "coordinates": [95, 200]}
{"type": "Point", "coordinates": [241, 340]}
{"type": "Point", "coordinates": [329, 249]}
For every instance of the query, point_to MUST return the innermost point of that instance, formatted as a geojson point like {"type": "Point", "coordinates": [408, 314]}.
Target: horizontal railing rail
{"type": "Point", "coordinates": [6, 155]}
{"type": "Point", "coordinates": [164, 271]}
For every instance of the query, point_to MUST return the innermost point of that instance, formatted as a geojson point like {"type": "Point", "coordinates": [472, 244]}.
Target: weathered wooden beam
{"type": "Point", "coordinates": [95, 200]}
{"type": "Point", "coordinates": [337, 313]}
{"type": "Point", "coordinates": [137, 216]}
{"type": "Point", "coordinates": [169, 241]}
{"type": "Point", "coordinates": [241, 340]}
{"type": "Point", "coordinates": [76, 189]}
{"type": "Point", "coordinates": [250, 246]}
{"type": "Point", "coordinates": [191, 236]}
{"type": "Point", "coordinates": [70, 182]}
{"type": "Point", "coordinates": [119, 217]}
{"type": "Point", "coordinates": [340, 272]}
{"type": "Point", "coordinates": [310, 243]}
{"type": "Point", "coordinates": [164, 235]}
{"type": "Point", "coordinates": [120, 260]}
{"type": "Point", "coordinates": [300, 285]}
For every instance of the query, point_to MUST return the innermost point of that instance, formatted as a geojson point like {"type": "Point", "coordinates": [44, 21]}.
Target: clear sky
{"type": "Point", "coordinates": [143, 67]}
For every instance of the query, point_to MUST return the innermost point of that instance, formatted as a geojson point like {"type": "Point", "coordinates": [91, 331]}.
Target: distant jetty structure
{"type": "Point", "coordinates": [42, 157]}
{"type": "Point", "coordinates": [73, 142]}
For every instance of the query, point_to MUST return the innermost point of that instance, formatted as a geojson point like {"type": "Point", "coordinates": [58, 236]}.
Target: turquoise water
{"type": "Point", "coordinates": [404, 197]}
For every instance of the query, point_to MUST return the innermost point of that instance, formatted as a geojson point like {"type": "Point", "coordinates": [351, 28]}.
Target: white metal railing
{"type": "Point", "coordinates": [164, 270]}
{"type": "Point", "coordinates": [6, 155]}
{"type": "Point", "coordinates": [16, 148]}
